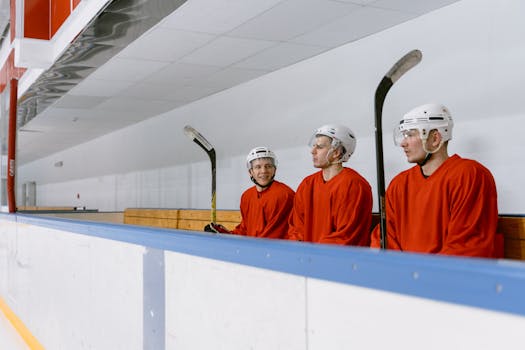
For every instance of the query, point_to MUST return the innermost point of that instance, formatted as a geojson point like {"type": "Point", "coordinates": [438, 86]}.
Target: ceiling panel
{"type": "Point", "coordinates": [125, 69]}
{"type": "Point", "coordinates": [359, 2]}
{"type": "Point", "coordinates": [53, 117]}
{"type": "Point", "coordinates": [216, 16]}
{"type": "Point", "coordinates": [164, 44]}
{"type": "Point", "coordinates": [203, 47]}
{"type": "Point", "coordinates": [280, 56]}
{"type": "Point", "coordinates": [96, 87]}
{"type": "Point", "coordinates": [225, 51]}
{"type": "Point", "coordinates": [228, 77]}
{"type": "Point", "coordinates": [147, 91]}
{"type": "Point", "coordinates": [76, 101]}
{"type": "Point", "coordinates": [354, 26]}
{"type": "Point", "coordinates": [180, 74]}
{"type": "Point", "coordinates": [141, 107]}
{"type": "Point", "coordinates": [292, 18]}
{"type": "Point", "coordinates": [193, 93]}
{"type": "Point", "coordinates": [416, 7]}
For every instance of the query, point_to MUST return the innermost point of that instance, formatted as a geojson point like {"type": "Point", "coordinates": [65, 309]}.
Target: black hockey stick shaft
{"type": "Point", "coordinates": [210, 151]}
{"type": "Point", "coordinates": [402, 66]}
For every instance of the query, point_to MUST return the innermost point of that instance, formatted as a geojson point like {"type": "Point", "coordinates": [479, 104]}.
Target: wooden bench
{"type": "Point", "coordinates": [512, 227]}
{"type": "Point", "coordinates": [35, 208]}
{"type": "Point", "coordinates": [183, 219]}
{"type": "Point", "coordinates": [54, 210]}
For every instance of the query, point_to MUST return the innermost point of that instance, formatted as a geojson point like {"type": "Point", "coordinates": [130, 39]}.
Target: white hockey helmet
{"type": "Point", "coordinates": [426, 118]}
{"type": "Point", "coordinates": [340, 135]}
{"type": "Point", "coordinates": [260, 152]}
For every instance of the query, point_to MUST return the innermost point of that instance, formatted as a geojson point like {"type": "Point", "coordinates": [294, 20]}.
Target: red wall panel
{"type": "Point", "coordinates": [9, 71]}
{"type": "Point", "coordinates": [43, 18]}
{"type": "Point", "coordinates": [36, 19]}
{"type": "Point", "coordinates": [12, 24]}
{"type": "Point", "coordinates": [60, 10]}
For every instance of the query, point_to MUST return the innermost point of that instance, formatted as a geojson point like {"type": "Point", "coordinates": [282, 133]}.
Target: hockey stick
{"type": "Point", "coordinates": [406, 62]}
{"type": "Point", "coordinates": [210, 151]}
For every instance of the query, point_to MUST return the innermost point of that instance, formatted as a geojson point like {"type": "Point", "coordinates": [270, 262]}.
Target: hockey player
{"type": "Point", "coordinates": [333, 205]}
{"type": "Point", "coordinates": [443, 205]}
{"type": "Point", "coordinates": [265, 207]}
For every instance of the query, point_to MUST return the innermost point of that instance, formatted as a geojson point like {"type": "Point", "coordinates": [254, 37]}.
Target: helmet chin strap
{"type": "Point", "coordinates": [339, 161]}
{"type": "Point", "coordinates": [429, 153]}
{"type": "Point", "coordinates": [424, 161]}
{"type": "Point", "coordinates": [261, 186]}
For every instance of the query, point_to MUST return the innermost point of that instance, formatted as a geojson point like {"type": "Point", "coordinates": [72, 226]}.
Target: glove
{"type": "Point", "coordinates": [216, 228]}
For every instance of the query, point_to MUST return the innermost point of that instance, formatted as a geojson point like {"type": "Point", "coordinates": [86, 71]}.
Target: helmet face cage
{"type": "Point", "coordinates": [425, 119]}
{"type": "Point", "coordinates": [341, 137]}
{"type": "Point", "coordinates": [260, 152]}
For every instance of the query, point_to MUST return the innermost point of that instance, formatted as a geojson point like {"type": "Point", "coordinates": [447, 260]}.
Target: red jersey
{"type": "Point", "coordinates": [453, 211]}
{"type": "Point", "coordinates": [265, 214]}
{"type": "Point", "coordinates": [337, 211]}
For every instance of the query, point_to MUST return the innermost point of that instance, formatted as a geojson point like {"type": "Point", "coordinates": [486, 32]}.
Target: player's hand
{"type": "Point", "coordinates": [216, 228]}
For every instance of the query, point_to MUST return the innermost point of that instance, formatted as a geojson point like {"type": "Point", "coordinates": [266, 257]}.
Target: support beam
{"type": "Point", "coordinates": [11, 146]}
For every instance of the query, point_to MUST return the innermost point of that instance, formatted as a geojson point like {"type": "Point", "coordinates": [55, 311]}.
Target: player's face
{"type": "Point", "coordinates": [262, 171]}
{"type": "Point", "coordinates": [320, 151]}
{"type": "Point", "coordinates": [413, 146]}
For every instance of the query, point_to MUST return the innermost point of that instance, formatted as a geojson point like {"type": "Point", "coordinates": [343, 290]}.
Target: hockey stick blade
{"type": "Point", "coordinates": [200, 140]}
{"type": "Point", "coordinates": [402, 66]}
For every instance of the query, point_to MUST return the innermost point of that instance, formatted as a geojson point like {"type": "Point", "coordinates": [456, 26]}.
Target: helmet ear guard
{"type": "Point", "coordinates": [425, 118]}
{"type": "Point", "coordinates": [340, 135]}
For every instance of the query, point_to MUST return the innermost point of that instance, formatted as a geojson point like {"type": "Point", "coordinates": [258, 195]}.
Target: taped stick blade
{"type": "Point", "coordinates": [196, 136]}
{"type": "Point", "coordinates": [404, 64]}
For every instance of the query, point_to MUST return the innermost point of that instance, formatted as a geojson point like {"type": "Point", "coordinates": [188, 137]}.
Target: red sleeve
{"type": "Point", "coordinates": [473, 215]}
{"type": "Point", "coordinates": [241, 228]}
{"type": "Point", "coordinates": [296, 219]}
{"type": "Point", "coordinates": [353, 215]}
{"type": "Point", "coordinates": [391, 228]}
{"type": "Point", "coordinates": [375, 239]}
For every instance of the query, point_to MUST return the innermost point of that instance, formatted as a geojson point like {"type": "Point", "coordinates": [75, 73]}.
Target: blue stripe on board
{"type": "Point", "coordinates": [497, 285]}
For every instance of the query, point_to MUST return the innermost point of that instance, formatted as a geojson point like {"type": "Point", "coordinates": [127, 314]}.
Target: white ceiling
{"type": "Point", "coordinates": [202, 48]}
